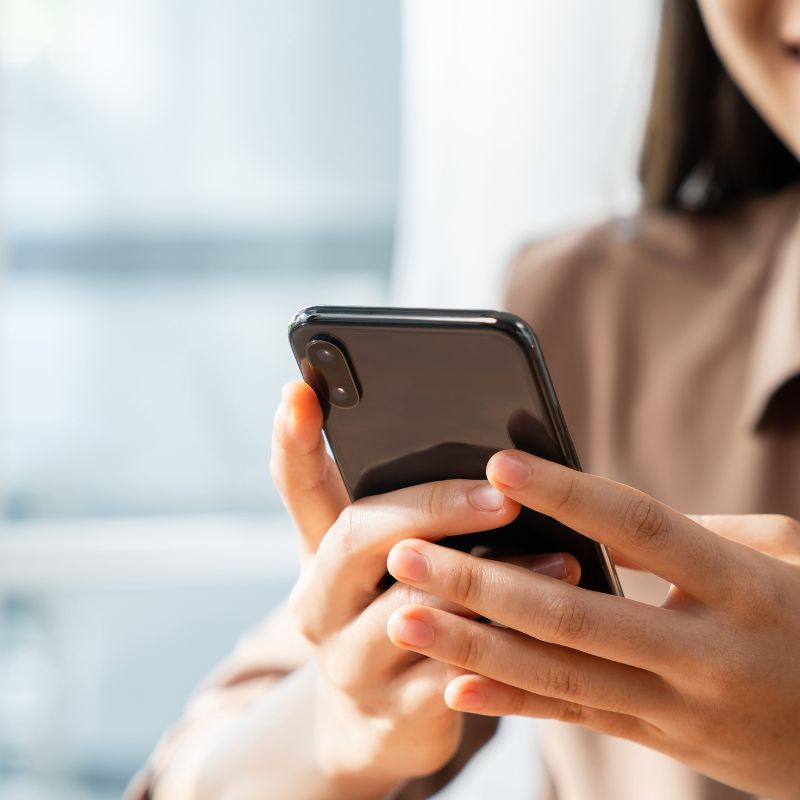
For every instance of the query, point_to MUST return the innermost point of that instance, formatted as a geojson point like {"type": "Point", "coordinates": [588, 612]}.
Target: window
{"type": "Point", "coordinates": [178, 179]}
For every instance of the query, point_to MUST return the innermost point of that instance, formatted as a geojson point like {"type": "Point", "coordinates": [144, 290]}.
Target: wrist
{"type": "Point", "coordinates": [353, 754]}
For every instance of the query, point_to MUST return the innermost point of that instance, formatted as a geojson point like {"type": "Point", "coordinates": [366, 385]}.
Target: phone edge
{"type": "Point", "coordinates": [519, 330]}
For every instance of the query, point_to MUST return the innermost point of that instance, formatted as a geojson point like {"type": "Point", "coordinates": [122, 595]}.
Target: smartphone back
{"type": "Point", "coordinates": [439, 392]}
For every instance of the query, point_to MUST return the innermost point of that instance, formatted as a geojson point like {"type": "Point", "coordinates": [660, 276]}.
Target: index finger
{"type": "Point", "coordinates": [603, 625]}
{"type": "Point", "coordinates": [655, 536]}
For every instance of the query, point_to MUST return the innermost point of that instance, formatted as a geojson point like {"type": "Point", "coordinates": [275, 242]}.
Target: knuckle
{"type": "Point", "coordinates": [348, 530]}
{"type": "Point", "coordinates": [569, 495]}
{"type": "Point", "coordinates": [432, 501]}
{"type": "Point", "coordinates": [470, 650]}
{"type": "Point", "coordinates": [287, 478]}
{"type": "Point", "coordinates": [560, 681]}
{"type": "Point", "coordinates": [566, 619]}
{"type": "Point", "coordinates": [571, 712]}
{"type": "Point", "coordinates": [466, 583]}
{"type": "Point", "coordinates": [422, 698]}
{"type": "Point", "coordinates": [299, 610]}
{"type": "Point", "coordinates": [401, 594]}
{"type": "Point", "coordinates": [517, 704]}
{"type": "Point", "coordinates": [646, 522]}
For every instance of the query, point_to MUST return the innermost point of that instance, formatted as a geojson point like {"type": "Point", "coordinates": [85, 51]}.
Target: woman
{"type": "Point", "coordinates": [674, 339]}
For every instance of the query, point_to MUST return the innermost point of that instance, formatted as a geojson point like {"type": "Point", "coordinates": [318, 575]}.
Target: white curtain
{"type": "Point", "coordinates": [521, 117]}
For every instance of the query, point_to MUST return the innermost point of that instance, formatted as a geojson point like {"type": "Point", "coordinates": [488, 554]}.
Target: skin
{"type": "Point", "coordinates": [759, 43]}
{"type": "Point", "coordinates": [375, 714]}
{"type": "Point", "coordinates": [709, 678]}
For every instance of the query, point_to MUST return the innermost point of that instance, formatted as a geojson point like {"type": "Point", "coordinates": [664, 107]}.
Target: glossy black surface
{"type": "Point", "coordinates": [439, 393]}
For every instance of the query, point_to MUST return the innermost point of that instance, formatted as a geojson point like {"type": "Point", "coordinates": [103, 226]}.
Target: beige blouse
{"type": "Point", "coordinates": [674, 345]}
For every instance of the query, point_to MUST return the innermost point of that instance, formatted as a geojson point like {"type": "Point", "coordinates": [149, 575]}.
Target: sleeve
{"type": "Point", "coordinates": [264, 656]}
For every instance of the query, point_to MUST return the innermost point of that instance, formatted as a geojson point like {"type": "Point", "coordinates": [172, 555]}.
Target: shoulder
{"type": "Point", "coordinates": [575, 290]}
{"type": "Point", "coordinates": [614, 302]}
{"type": "Point", "coordinates": [610, 301]}
{"type": "Point", "coordinates": [650, 257]}
{"type": "Point", "coordinates": [593, 263]}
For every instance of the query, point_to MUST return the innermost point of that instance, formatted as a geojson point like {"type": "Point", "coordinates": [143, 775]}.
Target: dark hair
{"type": "Point", "coordinates": [705, 147]}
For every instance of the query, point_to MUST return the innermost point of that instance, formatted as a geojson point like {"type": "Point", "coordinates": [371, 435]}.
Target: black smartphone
{"type": "Point", "coordinates": [415, 395]}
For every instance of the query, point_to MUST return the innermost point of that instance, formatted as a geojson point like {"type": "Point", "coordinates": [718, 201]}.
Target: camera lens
{"type": "Point", "coordinates": [331, 374]}
{"type": "Point", "coordinates": [324, 355]}
{"type": "Point", "coordinates": [340, 395]}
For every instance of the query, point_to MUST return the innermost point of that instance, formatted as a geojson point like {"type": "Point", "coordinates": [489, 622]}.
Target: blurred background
{"type": "Point", "coordinates": [176, 180]}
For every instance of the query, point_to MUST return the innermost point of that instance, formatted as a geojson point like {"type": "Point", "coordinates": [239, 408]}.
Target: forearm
{"type": "Point", "coordinates": [270, 751]}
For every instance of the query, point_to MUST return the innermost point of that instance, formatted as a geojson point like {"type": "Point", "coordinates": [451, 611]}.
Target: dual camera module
{"type": "Point", "coordinates": [333, 374]}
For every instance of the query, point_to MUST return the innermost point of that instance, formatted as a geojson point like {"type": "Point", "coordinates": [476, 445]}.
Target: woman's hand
{"type": "Point", "coordinates": [711, 678]}
{"type": "Point", "coordinates": [380, 717]}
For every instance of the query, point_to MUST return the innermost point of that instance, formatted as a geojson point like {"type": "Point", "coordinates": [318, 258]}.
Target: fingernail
{"type": "Point", "coordinates": [407, 564]}
{"type": "Point", "coordinates": [554, 565]}
{"type": "Point", "coordinates": [416, 633]}
{"type": "Point", "coordinates": [510, 470]}
{"type": "Point", "coordinates": [471, 701]}
{"type": "Point", "coordinates": [486, 498]}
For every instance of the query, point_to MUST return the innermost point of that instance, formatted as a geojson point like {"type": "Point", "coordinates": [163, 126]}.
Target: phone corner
{"type": "Point", "coordinates": [301, 318]}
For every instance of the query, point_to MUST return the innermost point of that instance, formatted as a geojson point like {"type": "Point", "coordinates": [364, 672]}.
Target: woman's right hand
{"type": "Point", "coordinates": [380, 717]}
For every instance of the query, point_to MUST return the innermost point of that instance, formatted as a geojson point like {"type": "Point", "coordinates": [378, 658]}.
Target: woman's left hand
{"type": "Point", "coordinates": [711, 678]}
